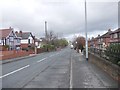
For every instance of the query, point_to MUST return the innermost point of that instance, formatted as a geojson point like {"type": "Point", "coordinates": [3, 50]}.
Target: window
{"type": "Point", "coordinates": [11, 38]}
{"type": "Point", "coordinates": [99, 40]}
{"type": "Point", "coordinates": [115, 35]}
{"type": "Point", "coordinates": [18, 41]}
{"type": "Point", "coordinates": [28, 41]}
{"type": "Point", "coordinates": [119, 35]}
{"type": "Point", "coordinates": [0, 41]}
{"type": "Point", "coordinates": [111, 36]}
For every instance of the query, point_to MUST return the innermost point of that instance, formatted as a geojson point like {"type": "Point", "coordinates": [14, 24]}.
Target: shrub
{"type": "Point", "coordinates": [48, 47]}
{"type": "Point", "coordinates": [6, 46]}
{"type": "Point", "coordinates": [113, 53]}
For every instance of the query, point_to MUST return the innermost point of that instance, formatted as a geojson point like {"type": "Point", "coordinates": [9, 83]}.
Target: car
{"type": "Point", "coordinates": [71, 46]}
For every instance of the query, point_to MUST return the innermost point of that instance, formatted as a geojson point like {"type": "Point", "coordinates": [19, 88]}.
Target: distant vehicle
{"type": "Point", "coordinates": [71, 46]}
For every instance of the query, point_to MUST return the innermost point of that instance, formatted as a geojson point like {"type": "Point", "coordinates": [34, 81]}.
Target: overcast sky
{"type": "Point", "coordinates": [65, 17]}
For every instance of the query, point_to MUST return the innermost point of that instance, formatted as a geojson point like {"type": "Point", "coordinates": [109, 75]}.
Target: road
{"type": "Point", "coordinates": [59, 69]}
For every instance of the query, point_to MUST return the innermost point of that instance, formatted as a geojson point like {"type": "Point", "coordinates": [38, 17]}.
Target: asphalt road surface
{"type": "Point", "coordinates": [60, 69]}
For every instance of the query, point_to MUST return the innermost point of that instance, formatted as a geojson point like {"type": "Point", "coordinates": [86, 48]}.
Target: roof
{"type": "Point", "coordinates": [24, 35]}
{"type": "Point", "coordinates": [116, 31]}
{"type": "Point", "coordinates": [37, 40]}
{"type": "Point", "coordinates": [106, 35]}
{"type": "Point", "coordinates": [94, 39]}
{"type": "Point", "coordinates": [98, 37]}
{"type": "Point", "coordinates": [4, 32]}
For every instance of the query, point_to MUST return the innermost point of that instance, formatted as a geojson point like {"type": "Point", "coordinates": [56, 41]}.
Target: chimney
{"type": "Point", "coordinates": [10, 28]}
{"type": "Point", "coordinates": [98, 35]}
{"type": "Point", "coordinates": [16, 31]}
{"type": "Point", "coordinates": [109, 30]}
{"type": "Point", "coordinates": [20, 32]}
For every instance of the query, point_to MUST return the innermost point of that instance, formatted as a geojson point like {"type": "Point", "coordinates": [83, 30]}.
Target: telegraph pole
{"type": "Point", "coordinates": [86, 31]}
{"type": "Point", "coordinates": [46, 35]}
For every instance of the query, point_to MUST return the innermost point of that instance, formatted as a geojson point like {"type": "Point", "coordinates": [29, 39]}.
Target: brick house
{"type": "Point", "coordinates": [115, 37]}
{"type": "Point", "coordinates": [27, 39]}
{"type": "Point", "coordinates": [93, 43]}
{"type": "Point", "coordinates": [104, 40]}
{"type": "Point", "coordinates": [9, 39]}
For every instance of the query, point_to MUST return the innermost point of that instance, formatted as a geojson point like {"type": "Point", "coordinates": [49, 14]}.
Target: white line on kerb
{"type": "Point", "coordinates": [57, 53]}
{"type": "Point", "coordinates": [51, 55]}
{"type": "Point", "coordinates": [71, 79]}
{"type": "Point", "coordinates": [42, 60]}
{"type": "Point", "coordinates": [14, 71]}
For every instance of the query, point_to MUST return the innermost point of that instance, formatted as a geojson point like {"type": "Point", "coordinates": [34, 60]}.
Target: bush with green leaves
{"type": "Point", "coordinates": [6, 46]}
{"type": "Point", "coordinates": [113, 53]}
{"type": "Point", "coordinates": [48, 47]}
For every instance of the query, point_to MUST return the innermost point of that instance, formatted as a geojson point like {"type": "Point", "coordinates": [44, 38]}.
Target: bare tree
{"type": "Point", "coordinates": [52, 37]}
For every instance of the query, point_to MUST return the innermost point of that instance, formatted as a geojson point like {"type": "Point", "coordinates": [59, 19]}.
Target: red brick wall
{"type": "Point", "coordinates": [24, 45]}
{"type": "Point", "coordinates": [40, 50]}
{"type": "Point", "coordinates": [31, 52]}
{"type": "Point", "coordinates": [2, 48]}
{"type": "Point", "coordinates": [13, 54]}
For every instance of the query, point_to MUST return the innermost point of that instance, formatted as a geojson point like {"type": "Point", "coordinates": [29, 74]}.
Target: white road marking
{"type": "Point", "coordinates": [14, 71]}
{"type": "Point", "coordinates": [51, 55]}
{"type": "Point", "coordinates": [57, 53]}
{"type": "Point", "coordinates": [24, 67]}
{"type": "Point", "coordinates": [46, 58]}
{"type": "Point", "coordinates": [71, 77]}
{"type": "Point", "coordinates": [42, 60]}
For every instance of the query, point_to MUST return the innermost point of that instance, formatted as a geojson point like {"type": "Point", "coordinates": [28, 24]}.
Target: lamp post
{"type": "Point", "coordinates": [86, 32]}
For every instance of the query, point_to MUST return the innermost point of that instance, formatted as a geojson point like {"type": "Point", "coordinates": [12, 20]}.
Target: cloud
{"type": "Point", "coordinates": [63, 16]}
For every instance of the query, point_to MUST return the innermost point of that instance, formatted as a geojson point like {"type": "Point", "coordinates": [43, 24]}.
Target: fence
{"type": "Point", "coordinates": [113, 56]}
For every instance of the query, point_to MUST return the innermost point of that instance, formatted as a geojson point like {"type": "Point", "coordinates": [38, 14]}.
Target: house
{"type": "Point", "coordinates": [93, 43]}
{"type": "Point", "coordinates": [27, 39]}
{"type": "Point", "coordinates": [9, 39]}
{"type": "Point", "coordinates": [104, 40]}
{"type": "Point", "coordinates": [115, 37]}
{"type": "Point", "coordinates": [38, 42]}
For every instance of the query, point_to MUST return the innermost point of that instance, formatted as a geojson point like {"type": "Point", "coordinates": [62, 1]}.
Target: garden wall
{"type": "Point", "coordinates": [112, 69]}
{"type": "Point", "coordinates": [12, 54]}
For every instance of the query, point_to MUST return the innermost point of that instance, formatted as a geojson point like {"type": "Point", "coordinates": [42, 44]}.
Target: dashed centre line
{"type": "Point", "coordinates": [15, 71]}
{"type": "Point", "coordinates": [42, 60]}
{"type": "Point", "coordinates": [24, 67]}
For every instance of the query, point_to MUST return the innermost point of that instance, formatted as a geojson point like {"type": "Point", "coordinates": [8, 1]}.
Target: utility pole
{"type": "Point", "coordinates": [86, 31]}
{"type": "Point", "coordinates": [46, 35]}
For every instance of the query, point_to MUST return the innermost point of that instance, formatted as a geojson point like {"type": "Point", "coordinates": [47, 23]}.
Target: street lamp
{"type": "Point", "coordinates": [86, 32]}
{"type": "Point", "coordinates": [76, 42]}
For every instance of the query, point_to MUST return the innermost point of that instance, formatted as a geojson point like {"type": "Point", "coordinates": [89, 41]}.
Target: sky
{"type": "Point", "coordinates": [65, 17]}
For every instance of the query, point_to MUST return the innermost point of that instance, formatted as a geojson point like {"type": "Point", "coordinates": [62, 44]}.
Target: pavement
{"type": "Point", "coordinates": [87, 75]}
{"type": "Point", "coordinates": [59, 69]}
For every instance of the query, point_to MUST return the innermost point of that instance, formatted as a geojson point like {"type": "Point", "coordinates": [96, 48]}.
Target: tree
{"type": "Point", "coordinates": [79, 43]}
{"type": "Point", "coordinates": [53, 41]}
{"type": "Point", "coordinates": [52, 37]}
{"type": "Point", "coordinates": [113, 52]}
